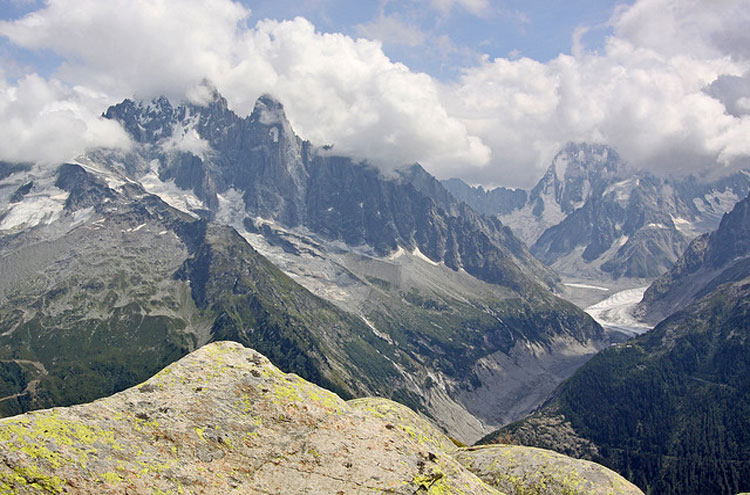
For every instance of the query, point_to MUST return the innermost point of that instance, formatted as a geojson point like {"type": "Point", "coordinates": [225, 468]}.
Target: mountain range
{"type": "Point", "coordinates": [594, 217]}
{"type": "Point", "coordinates": [215, 227]}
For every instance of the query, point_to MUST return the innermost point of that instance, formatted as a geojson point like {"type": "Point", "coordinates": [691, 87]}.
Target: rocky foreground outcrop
{"type": "Point", "coordinates": [225, 420]}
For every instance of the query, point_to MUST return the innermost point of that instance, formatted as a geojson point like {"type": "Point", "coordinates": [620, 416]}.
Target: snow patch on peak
{"type": "Point", "coordinates": [44, 207]}
{"type": "Point", "coordinates": [169, 192]}
{"type": "Point", "coordinates": [112, 178]}
{"type": "Point", "coordinates": [231, 209]}
{"type": "Point", "coordinates": [560, 165]}
{"type": "Point", "coordinates": [186, 139]}
{"type": "Point", "coordinates": [422, 257]}
{"type": "Point", "coordinates": [622, 189]}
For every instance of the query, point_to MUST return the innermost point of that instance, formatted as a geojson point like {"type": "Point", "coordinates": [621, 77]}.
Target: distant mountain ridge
{"type": "Point", "coordinates": [592, 216]}
{"type": "Point", "coordinates": [710, 260]}
{"type": "Point", "coordinates": [496, 201]}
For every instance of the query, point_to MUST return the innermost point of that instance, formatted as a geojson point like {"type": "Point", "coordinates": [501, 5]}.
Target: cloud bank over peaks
{"type": "Point", "coordinates": [337, 90]}
{"type": "Point", "coordinates": [669, 90]}
{"type": "Point", "coordinates": [47, 122]}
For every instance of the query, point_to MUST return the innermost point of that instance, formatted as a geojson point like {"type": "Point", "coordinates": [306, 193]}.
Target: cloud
{"type": "Point", "coordinates": [669, 90]}
{"type": "Point", "coordinates": [476, 7]}
{"type": "Point", "coordinates": [336, 89]}
{"type": "Point", "coordinates": [391, 30]}
{"type": "Point", "coordinates": [645, 95]}
{"type": "Point", "coordinates": [123, 45]}
{"type": "Point", "coordinates": [46, 122]}
{"type": "Point", "coordinates": [733, 92]}
{"type": "Point", "coordinates": [348, 93]}
{"type": "Point", "coordinates": [679, 27]}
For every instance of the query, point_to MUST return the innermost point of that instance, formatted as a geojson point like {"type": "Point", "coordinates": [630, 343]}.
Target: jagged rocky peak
{"type": "Point", "coordinates": [204, 146]}
{"type": "Point", "coordinates": [578, 159]}
{"type": "Point", "coordinates": [206, 94]}
{"type": "Point", "coordinates": [270, 114]}
{"type": "Point", "coordinates": [206, 114]}
{"type": "Point", "coordinates": [145, 122]}
{"type": "Point", "coordinates": [85, 189]}
{"type": "Point", "coordinates": [268, 110]}
{"type": "Point", "coordinates": [576, 172]}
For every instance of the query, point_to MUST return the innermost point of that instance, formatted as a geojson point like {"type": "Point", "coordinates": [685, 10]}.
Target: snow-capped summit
{"type": "Point", "coordinates": [593, 216]}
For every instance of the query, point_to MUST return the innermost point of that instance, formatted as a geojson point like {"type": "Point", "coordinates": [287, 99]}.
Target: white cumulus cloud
{"type": "Point", "coordinates": [668, 90]}
{"type": "Point", "coordinates": [648, 94]}
{"type": "Point", "coordinates": [47, 122]}
{"type": "Point", "coordinates": [336, 89]}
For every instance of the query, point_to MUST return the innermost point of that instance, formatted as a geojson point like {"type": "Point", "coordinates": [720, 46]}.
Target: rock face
{"type": "Point", "coordinates": [518, 470]}
{"type": "Point", "coordinates": [210, 150]}
{"type": "Point", "coordinates": [224, 420]}
{"type": "Point", "coordinates": [709, 261]}
{"type": "Point", "coordinates": [591, 216]}
{"type": "Point", "coordinates": [121, 284]}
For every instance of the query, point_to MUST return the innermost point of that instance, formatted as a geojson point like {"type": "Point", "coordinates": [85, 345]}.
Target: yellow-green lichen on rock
{"type": "Point", "coordinates": [521, 470]}
{"type": "Point", "coordinates": [400, 416]}
{"type": "Point", "coordinates": [225, 420]}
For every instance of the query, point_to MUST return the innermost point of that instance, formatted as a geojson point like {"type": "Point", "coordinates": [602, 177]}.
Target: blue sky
{"type": "Point", "coordinates": [485, 90]}
{"type": "Point", "coordinates": [453, 39]}
{"type": "Point", "coordinates": [537, 29]}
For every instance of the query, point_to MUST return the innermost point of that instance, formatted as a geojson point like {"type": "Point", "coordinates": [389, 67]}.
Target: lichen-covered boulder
{"type": "Point", "coordinates": [519, 470]}
{"type": "Point", "coordinates": [399, 416]}
{"type": "Point", "coordinates": [224, 420]}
